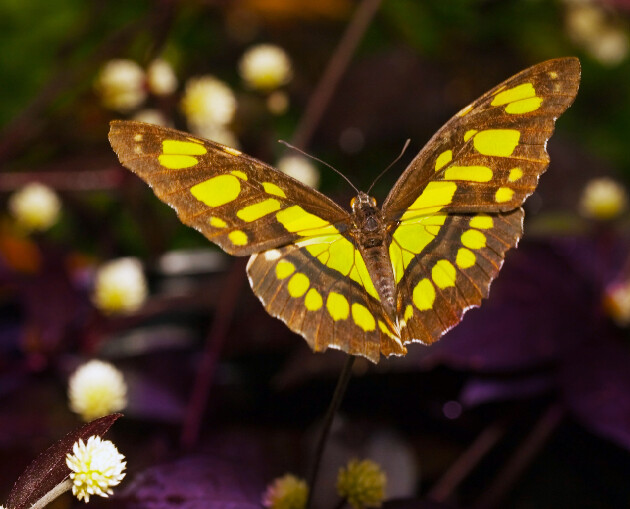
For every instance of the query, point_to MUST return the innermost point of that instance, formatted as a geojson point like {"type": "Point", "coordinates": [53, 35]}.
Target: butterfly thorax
{"type": "Point", "coordinates": [371, 237]}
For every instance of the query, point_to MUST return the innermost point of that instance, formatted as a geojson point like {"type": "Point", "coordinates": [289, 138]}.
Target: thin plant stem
{"type": "Point", "coordinates": [62, 487]}
{"type": "Point", "coordinates": [340, 390]}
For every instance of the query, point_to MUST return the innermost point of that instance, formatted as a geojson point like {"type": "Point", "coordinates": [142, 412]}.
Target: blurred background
{"type": "Point", "coordinates": [525, 404]}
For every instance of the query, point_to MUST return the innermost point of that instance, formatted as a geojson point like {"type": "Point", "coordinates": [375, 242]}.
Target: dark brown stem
{"type": "Point", "coordinates": [484, 442]}
{"type": "Point", "coordinates": [337, 398]}
{"type": "Point", "coordinates": [336, 67]}
{"type": "Point", "coordinates": [522, 457]}
{"type": "Point", "coordinates": [217, 333]}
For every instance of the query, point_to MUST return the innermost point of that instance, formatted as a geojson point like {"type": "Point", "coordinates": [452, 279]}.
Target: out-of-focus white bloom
{"type": "Point", "coordinates": [603, 198]}
{"type": "Point", "coordinates": [611, 46]}
{"type": "Point", "coordinates": [301, 169]}
{"type": "Point", "coordinates": [265, 67]}
{"type": "Point", "coordinates": [95, 467]}
{"type": "Point", "coordinates": [286, 492]}
{"type": "Point", "coordinates": [151, 116]}
{"type": "Point", "coordinates": [35, 206]}
{"type": "Point", "coordinates": [121, 85]}
{"type": "Point", "coordinates": [161, 77]}
{"type": "Point", "coordinates": [208, 101]}
{"type": "Point", "coordinates": [120, 286]}
{"type": "Point", "coordinates": [617, 303]}
{"type": "Point", "coordinates": [278, 102]}
{"type": "Point", "coordinates": [218, 133]}
{"type": "Point", "coordinates": [96, 389]}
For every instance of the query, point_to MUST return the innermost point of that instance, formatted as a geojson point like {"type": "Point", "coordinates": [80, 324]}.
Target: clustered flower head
{"type": "Point", "coordinates": [96, 389]}
{"type": "Point", "coordinates": [362, 484]}
{"type": "Point", "coordinates": [265, 67]}
{"type": "Point", "coordinates": [120, 286]}
{"type": "Point", "coordinates": [300, 169]}
{"type": "Point", "coordinates": [161, 78]}
{"type": "Point", "coordinates": [603, 198]}
{"type": "Point", "coordinates": [121, 85]}
{"type": "Point", "coordinates": [286, 492]}
{"type": "Point", "coordinates": [35, 207]}
{"type": "Point", "coordinates": [208, 100]}
{"type": "Point", "coordinates": [96, 466]}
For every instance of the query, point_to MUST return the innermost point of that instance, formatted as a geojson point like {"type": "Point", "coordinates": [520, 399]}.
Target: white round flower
{"type": "Point", "coordinates": [95, 467]}
{"type": "Point", "coordinates": [121, 85]}
{"type": "Point", "coordinates": [120, 286]}
{"type": "Point", "coordinates": [208, 101]}
{"type": "Point", "coordinates": [161, 77]}
{"type": "Point", "coordinates": [603, 198]}
{"type": "Point", "coordinates": [35, 206]}
{"type": "Point", "coordinates": [218, 133]}
{"type": "Point", "coordinates": [96, 389]}
{"type": "Point", "coordinates": [611, 46]}
{"type": "Point", "coordinates": [300, 168]}
{"type": "Point", "coordinates": [265, 67]}
{"type": "Point", "coordinates": [151, 116]}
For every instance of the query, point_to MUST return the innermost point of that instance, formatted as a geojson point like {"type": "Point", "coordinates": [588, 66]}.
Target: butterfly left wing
{"type": "Point", "coordinates": [455, 211]}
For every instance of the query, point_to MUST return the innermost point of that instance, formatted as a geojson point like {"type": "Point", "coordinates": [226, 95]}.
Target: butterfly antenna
{"type": "Point", "coordinates": [319, 160]}
{"type": "Point", "coordinates": [390, 165]}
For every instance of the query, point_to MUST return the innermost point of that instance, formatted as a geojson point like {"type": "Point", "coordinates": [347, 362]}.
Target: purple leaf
{"type": "Point", "coordinates": [478, 391]}
{"type": "Point", "coordinates": [595, 381]}
{"type": "Point", "coordinates": [49, 468]}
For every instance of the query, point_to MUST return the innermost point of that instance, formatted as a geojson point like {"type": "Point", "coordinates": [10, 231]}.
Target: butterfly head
{"type": "Point", "coordinates": [362, 201]}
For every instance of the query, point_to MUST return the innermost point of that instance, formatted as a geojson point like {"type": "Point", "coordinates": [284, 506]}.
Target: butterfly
{"type": "Point", "coordinates": [371, 280]}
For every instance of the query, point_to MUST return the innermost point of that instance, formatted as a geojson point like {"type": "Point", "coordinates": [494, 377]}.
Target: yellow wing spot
{"type": "Point", "coordinates": [217, 222]}
{"type": "Point", "coordinates": [524, 106]}
{"type": "Point", "coordinates": [337, 306]}
{"type": "Point", "coordinates": [271, 188]}
{"type": "Point", "coordinates": [284, 269]}
{"type": "Point", "coordinates": [436, 195]}
{"type": "Point", "coordinates": [217, 191]}
{"type": "Point", "coordinates": [176, 162]}
{"type": "Point", "coordinates": [481, 222]}
{"type": "Point", "coordinates": [182, 148]}
{"type": "Point", "coordinates": [408, 312]}
{"type": "Point", "coordinates": [497, 142]}
{"type": "Point", "coordinates": [258, 210]}
{"type": "Point", "coordinates": [443, 159]}
{"type": "Point", "coordinates": [553, 75]}
{"type": "Point", "coordinates": [470, 173]}
{"type": "Point", "coordinates": [423, 295]}
{"type": "Point", "coordinates": [360, 274]}
{"type": "Point", "coordinates": [138, 137]}
{"type": "Point", "coordinates": [232, 151]}
{"type": "Point", "coordinates": [469, 134]}
{"type": "Point", "coordinates": [238, 237]}
{"type": "Point", "coordinates": [503, 194]}
{"type": "Point", "coordinates": [443, 274]}
{"type": "Point", "coordinates": [313, 300]}
{"type": "Point", "coordinates": [363, 318]}
{"type": "Point", "coordinates": [239, 174]}
{"type": "Point", "coordinates": [465, 110]}
{"type": "Point", "coordinates": [298, 284]}
{"type": "Point", "coordinates": [473, 239]}
{"type": "Point", "coordinates": [297, 220]}
{"type": "Point", "coordinates": [517, 93]}
{"type": "Point", "coordinates": [465, 258]}
{"type": "Point", "coordinates": [515, 174]}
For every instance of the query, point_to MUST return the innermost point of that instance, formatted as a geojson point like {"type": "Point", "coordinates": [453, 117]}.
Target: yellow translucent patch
{"type": "Point", "coordinates": [443, 159]}
{"type": "Point", "coordinates": [271, 188]}
{"type": "Point", "coordinates": [471, 173]}
{"type": "Point", "coordinates": [465, 258]}
{"type": "Point", "coordinates": [436, 195]}
{"type": "Point", "coordinates": [482, 222]}
{"type": "Point", "coordinates": [232, 151]}
{"type": "Point", "coordinates": [177, 162]}
{"type": "Point", "coordinates": [515, 174]}
{"type": "Point", "coordinates": [258, 210]}
{"type": "Point", "coordinates": [465, 110]}
{"type": "Point", "coordinates": [443, 274]}
{"type": "Point", "coordinates": [423, 295]}
{"type": "Point", "coordinates": [239, 174]}
{"type": "Point", "coordinates": [178, 147]}
{"type": "Point", "coordinates": [217, 191]}
{"type": "Point", "coordinates": [217, 222]}
{"type": "Point", "coordinates": [313, 300]}
{"type": "Point", "coordinates": [503, 194]}
{"type": "Point", "coordinates": [298, 284]}
{"type": "Point", "coordinates": [473, 239]}
{"type": "Point", "coordinates": [363, 318]}
{"type": "Point", "coordinates": [497, 142]}
{"type": "Point", "coordinates": [284, 269]}
{"type": "Point", "coordinates": [517, 93]}
{"type": "Point", "coordinates": [297, 220]}
{"type": "Point", "coordinates": [524, 106]}
{"type": "Point", "coordinates": [469, 134]}
{"type": "Point", "coordinates": [408, 312]}
{"type": "Point", "coordinates": [337, 306]}
{"type": "Point", "coordinates": [238, 237]}
{"type": "Point", "coordinates": [360, 274]}
{"type": "Point", "coordinates": [341, 256]}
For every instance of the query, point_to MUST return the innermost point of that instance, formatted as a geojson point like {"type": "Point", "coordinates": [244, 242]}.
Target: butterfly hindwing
{"type": "Point", "coordinates": [236, 201]}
